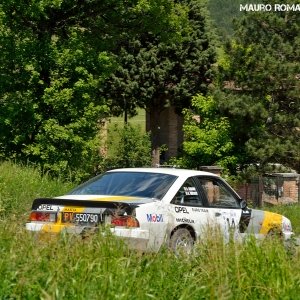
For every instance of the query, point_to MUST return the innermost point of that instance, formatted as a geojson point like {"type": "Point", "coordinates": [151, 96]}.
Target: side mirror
{"type": "Point", "coordinates": [243, 204]}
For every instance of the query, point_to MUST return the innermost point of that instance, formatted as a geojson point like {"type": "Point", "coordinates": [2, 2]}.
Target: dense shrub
{"type": "Point", "coordinates": [129, 147]}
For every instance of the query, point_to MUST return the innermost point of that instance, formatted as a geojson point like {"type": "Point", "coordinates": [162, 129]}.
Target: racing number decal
{"type": "Point", "coordinates": [231, 222]}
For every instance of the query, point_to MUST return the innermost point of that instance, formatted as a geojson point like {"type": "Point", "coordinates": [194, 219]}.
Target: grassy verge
{"type": "Point", "coordinates": [20, 185]}
{"type": "Point", "coordinates": [103, 268]}
{"type": "Point", "coordinates": [67, 267]}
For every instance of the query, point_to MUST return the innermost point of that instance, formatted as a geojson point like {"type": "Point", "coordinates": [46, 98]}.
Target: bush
{"type": "Point", "coordinates": [128, 147]}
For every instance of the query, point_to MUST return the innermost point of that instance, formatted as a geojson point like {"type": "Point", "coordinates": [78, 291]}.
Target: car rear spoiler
{"type": "Point", "coordinates": [84, 203]}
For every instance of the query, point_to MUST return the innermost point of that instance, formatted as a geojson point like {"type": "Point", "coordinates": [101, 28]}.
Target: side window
{"type": "Point", "coordinates": [218, 194]}
{"type": "Point", "coordinates": [188, 194]}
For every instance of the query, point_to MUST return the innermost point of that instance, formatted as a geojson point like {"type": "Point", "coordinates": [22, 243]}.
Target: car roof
{"type": "Point", "coordinates": [170, 171]}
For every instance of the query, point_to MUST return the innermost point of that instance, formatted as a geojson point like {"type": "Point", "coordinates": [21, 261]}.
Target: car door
{"type": "Point", "coordinates": [222, 204]}
{"type": "Point", "coordinates": [187, 208]}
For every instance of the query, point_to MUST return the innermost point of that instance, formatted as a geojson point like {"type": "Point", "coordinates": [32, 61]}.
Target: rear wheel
{"type": "Point", "coordinates": [181, 242]}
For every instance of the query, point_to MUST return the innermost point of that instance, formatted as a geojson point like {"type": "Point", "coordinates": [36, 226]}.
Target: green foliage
{"type": "Point", "coordinates": [50, 102]}
{"type": "Point", "coordinates": [207, 140]}
{"type": "Point", "coordinates": [152, 70]}
{"type": "Point", "coordinates": [224, 13]}
{"type": "Point", "coordinates": [154, 73]}
{"type": "Point", "coordinates": [19, 185]}
{"type": "Point", "coordinates": [128, 147]}
{"type": "Point", "coordinates": [261, 87]}
{"type": "Point", "coordinates": [55, 56]}
{"type": "Point", "coordinates": [102, 267]}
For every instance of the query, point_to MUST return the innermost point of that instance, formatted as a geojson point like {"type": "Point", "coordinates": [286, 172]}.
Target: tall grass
{"type": "Point", "coordinates": [20, 185]}
{"type": "Point", "coordinates": [67, 267]}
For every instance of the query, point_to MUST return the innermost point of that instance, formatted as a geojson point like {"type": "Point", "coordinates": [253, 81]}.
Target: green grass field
{"type": "Point", "coordinates": [67, 267]}
{"type": "Point", "coordinates": [115, 125]}
{"type": "Point", "coordinates": [138, 120]}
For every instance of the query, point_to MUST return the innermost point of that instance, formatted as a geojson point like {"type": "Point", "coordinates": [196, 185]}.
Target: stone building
{"type": "Point", "coordinates": [273, 189]}
{"type": "Point", "coordinates": [168, 133]}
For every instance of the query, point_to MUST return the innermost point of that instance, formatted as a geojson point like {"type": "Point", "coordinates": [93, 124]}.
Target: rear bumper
{"type": "Point", "coordinates": [53, 228]}
{"type": "Point", "coordinates": [33, 226]}
{"type": "Point", "coordinates": [135, 238]}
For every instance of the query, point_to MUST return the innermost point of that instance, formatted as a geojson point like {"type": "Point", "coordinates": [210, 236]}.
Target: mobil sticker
{"type": "Point", "coordinates": [155, 218]}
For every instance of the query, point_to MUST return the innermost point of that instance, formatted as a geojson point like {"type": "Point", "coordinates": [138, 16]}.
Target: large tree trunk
{"type": "Point", "coordinates": [165, 127]}
{"type": "Point", "coordinates": [153, 125]}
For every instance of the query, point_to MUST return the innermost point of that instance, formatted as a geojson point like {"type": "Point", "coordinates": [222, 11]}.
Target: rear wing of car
{"type": "Point", "coordinates": [40, 202]}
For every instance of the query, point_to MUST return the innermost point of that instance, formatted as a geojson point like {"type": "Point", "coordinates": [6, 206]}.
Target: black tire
{"type": "Point", "coordinates": [181, 242]}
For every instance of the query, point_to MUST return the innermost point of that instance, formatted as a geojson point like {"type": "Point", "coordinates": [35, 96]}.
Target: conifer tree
{"type": "Point", "coordinates": [260, 82]}
{"type": "Point", "coordinates": [154, 73]}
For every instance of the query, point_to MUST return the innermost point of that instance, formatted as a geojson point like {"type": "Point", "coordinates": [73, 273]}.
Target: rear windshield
{"type": "Point", "coordinates": [136, 184]}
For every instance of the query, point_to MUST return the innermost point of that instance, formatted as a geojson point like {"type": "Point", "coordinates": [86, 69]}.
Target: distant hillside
{"type": "Point", "coordinates": [223, 12]}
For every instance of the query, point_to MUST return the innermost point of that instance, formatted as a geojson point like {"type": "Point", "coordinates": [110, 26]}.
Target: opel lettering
{"type": "Point", "coordinates": [181, 209]}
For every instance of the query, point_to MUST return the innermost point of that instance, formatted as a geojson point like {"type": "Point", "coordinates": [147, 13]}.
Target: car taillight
{"type": "Point", "coordinates": [125, 221]}
{"type": "Point", "coordinates": [42, 216]}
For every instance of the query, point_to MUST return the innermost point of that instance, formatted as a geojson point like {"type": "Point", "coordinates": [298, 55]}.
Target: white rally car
{"type": "Point", "coordinates": [153, 207]}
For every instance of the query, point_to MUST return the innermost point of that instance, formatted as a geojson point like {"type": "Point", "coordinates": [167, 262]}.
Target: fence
{"type": "Point", "coordinates": [273, 189]}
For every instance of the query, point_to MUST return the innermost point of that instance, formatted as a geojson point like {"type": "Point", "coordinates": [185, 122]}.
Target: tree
{"type": "Point", "coordinates": [153, 73]}
{"type": "Point", "coordinates": [260, 87]}
{"type": "Point", "coordinates": [129, 147]}
{"type": "Point", "coordinates": [223, 13]}
{"type": "Point", "coordinates": [50, 103]}
{"type": "Point", "coordinates": [207, 138]}
{"type": "Point", "coordinates": [55, 56]}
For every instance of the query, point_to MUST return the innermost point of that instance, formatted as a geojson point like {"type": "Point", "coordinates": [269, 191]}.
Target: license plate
{"type": "Point", "coordinates": [81, 218]}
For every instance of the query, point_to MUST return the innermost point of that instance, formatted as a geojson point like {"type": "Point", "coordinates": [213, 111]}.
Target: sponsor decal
{"type": "Point", "coordinates": [230, 223]}
{"type": "Point", "coordinates": [196, 209]}
{"type": "Point", "coordinates": [155, 218]}
{"type": "Point", "coordinates": [71, 209]}
{"type": "Point", "coordinates": [185, 220]}
{"type": "Point", "coordinates": [47, 207]}
{"type": "Point", "coordinates": [181, 210]}
{"type": "Point", "coordinates": [190, 191]}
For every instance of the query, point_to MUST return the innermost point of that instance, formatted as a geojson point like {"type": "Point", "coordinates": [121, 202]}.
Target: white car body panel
{"type": "Point", "coordinates": [158, 219]}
